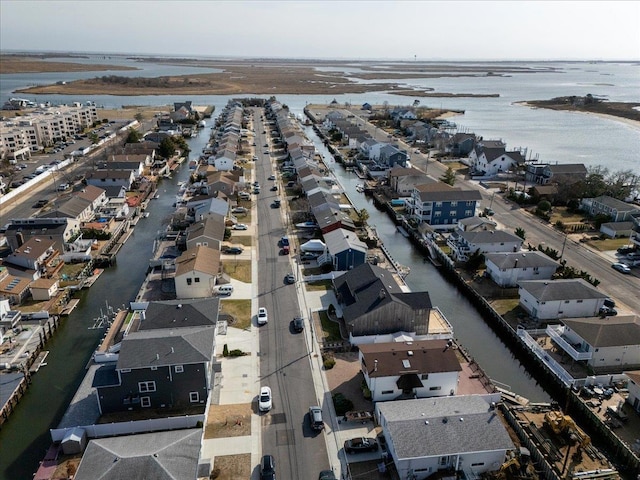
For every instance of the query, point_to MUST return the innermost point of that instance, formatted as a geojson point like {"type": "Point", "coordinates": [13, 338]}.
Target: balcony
{"type": "Point", "coordinates": [635, 238]}
{"type": "Point", "coordinates": [555, 332]}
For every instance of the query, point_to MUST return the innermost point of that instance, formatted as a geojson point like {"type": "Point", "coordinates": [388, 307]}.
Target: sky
{"type": "Point", "coordinates": [403, 30]}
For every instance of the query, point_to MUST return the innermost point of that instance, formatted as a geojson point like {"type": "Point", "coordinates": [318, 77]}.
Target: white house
{"type": "Point", "coordinates": [490, 161]}
{"type": "Point", "coordinates": [607, 345]}
{"type": "Point", "coordinates": [44, 288]}
{"type": "Point", "coordinates": [634, 389]}
{"type": "Point", "coordinates": [415, 369]}
{"type": "Point", "coordinates": [29, 260]}
{"type": "Point", "coordinates": [551, 299]}
{"type": "Point", "coordinates": [197, 272]}
{"type": "Point", "coordinates": [507, 269]}
{"type": "Point", "coordinates": [465, 243]}
{"type": "Point", "coordinates": [444, 434]}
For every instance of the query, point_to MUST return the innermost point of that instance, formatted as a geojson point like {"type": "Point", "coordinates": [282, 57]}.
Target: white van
{"type": "Point", "coordinates": [224, 289]}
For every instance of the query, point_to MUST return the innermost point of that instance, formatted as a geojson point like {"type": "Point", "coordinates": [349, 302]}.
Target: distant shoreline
{"type": "Point", "coordinates": [610, 116]}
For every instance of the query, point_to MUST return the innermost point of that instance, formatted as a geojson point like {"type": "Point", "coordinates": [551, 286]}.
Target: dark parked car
{"type": "Point", "coordinates": [274, 188]}
{"type": "Point", "coordinates": [361, 444]}
{"type": "Point", "coordinates": [268, 468]}
{"type": "Point", "coordinates": [233, 250]}
{"type": "Point", "coordinates": [40, 203]}
{"type": "Point", "coordinates": [608, 312]}
{"type": "Point", "coordinates": [298, 324]}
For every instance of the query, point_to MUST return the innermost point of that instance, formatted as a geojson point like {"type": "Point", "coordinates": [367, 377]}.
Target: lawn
{"type": "Point", "coordinates": [561, 213]}
{"type": "Point", "coordinates": [238, 269]}
{"type": "Point", "coordinates": [505, 305]}
{"type": "Point", "coordinates": [330, 329]}
{"type": "Point", "coordinates": [241, 237]}
{"type": "Point", "coordinates": [608, 243]}
{"type": "Point", "coordinates": [321, 285]}
{"type": "Point", "coordinates": [239, 309]}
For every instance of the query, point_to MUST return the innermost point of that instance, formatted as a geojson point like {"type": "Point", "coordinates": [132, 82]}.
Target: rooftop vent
{"type": "Point", "coordinates": [410, 353]}
{"type": "Point", "coordinates": [179, 305]}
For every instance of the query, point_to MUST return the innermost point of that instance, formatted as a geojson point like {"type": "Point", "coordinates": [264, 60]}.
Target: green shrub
{"type": "Point", "coordinates": [328, 363]}
{"type": "Point", "coordinates": [225, 350]}
{"type": "Point", "coordinates": [236, 352]}
{"type": "Point", "coordinates": [342, 404]}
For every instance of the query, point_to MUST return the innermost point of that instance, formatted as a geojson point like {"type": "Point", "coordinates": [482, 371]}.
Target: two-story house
{"type": "Point", "coordinates": [441, 205]}
{"type": "Point", "coordinates": [28, 260]}
{"type": "Point", "coordinates": [393, 370]}
{"type": "Point", "coordinates": [404, 180]}
{"type": "Point", "coordinates": [464, 244]}
{"type": "Point", "coordinates": [616, 210]}
{"type": "Point", "coordinates": [552, 299]}
{"type": "Point", "coordinates": [197, 271]}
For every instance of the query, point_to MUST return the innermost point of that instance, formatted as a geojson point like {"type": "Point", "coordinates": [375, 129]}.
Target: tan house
{"type": "Point", "coordinates": [44, 288]}
{"type": "Point", "coordinates": [197, 271]}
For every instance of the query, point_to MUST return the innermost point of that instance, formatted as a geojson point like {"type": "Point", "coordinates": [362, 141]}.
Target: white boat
{"type": "Point", "coordinates": [307, 225]}
{"type": "Point", "coordinates": [359, 188]}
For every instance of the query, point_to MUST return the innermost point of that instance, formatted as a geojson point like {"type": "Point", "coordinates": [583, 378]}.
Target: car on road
{"type": "Point", "coordinates": [272, 177]}
{"type": "Point", "coordinates": [263, 317]}
{"type": "Point", "coordinates": [232, 250]}
{"type": "Point", "coordinates": [40, 203]}
{"type": "Point", "coordinates": [266, 152]}
{"type": "Point", "coordinates": [274, 188]}
{"type": "Point", "coordinates": [239, 226]}
{"type": "Point", "coordinates": [621, 267]}
{"type": "Point", "coordinates": [268, 468]}
{"type": "Point", "coordinates": [275, 204]}
{"type": "Point", "coordinates": [361, 444]}
{"type": "Point", "coordinates": [297, 324]}
{"type": "Point", "coordinates": [264, 400]}
{"type": "Point", "coordinates": [63, 187]}
{"type": "Point", "coordinates": [266, 145]}
{"type": "Point", "coordinates": [290, 278]}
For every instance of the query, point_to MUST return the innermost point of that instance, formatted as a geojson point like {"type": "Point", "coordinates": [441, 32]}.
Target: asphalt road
{"type": "Point", "coordinates": [623, 288]}
{"type": "Point", "coordinates": [284, 356]}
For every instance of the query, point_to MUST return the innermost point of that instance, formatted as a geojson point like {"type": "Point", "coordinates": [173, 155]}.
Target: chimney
{"type": "Point", "coordinates": [382, 293]}
{"type": "Point", "coordinates": [515, 264]}
{"type": "Point", "coordinates": [375, 365]}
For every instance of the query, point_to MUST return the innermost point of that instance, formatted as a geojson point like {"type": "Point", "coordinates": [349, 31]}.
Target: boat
{"type": "Point", "coordinates": [359, 188]}
{"type": "Point", "coordinates": [307, 225]}
{"type": "Point", "coordinates": [145, 215]}
{"type": "Point", "coordinates": [89, 281]}
{"type": "Point", "coordinates": [39, 362]}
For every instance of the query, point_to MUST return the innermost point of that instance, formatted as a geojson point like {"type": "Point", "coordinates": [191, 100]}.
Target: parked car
{"type": "Point", "coordinates": [298, 324]}
{"type": "Point", "coordinates": [274, 188]}
{"type": "Point", "coordinates": [361, 444]}
{"type": "Point", "coordinates": [239, 210]}
{"type": "Point", "coordinates": [608, 312]}
{"type": "Point", "coordinates": [263, 317]}
{"type": "Point", "coordinates": [621, 267]}
{"type": "Point", "coordinates": [268, 468]}
{"type": "Point", "coordinates": [232, 250]}
{"type": "Point", "coordinates": [290, 278]}
{"type": "Point", "coordinates": [264, 400]}
{"type": "Point", "coordinates": [315, 418]}
{"type": "Point", "coordinates": [308, 256]}
{"type": "Point", "coordinates": [275, 204]}
{"type": "Point", "coordinates": [272, 177]}
{"type": "Point", "coordinates": [239, 226]}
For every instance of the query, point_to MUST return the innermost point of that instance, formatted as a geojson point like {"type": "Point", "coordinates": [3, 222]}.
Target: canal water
{"type": "Point", "coordinates": [24, 439]}
{"type": "Point", "coordinates": [469, 328]}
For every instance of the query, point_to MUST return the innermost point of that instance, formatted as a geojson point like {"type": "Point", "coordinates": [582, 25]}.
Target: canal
{"type": "Point", "coordinates": [24, 439]}
{"type": "Point", "coordinates": [469, 328]}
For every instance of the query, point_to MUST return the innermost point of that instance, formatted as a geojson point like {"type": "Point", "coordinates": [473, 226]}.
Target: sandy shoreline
{"type": "Point", "coordinates": [635, 124]}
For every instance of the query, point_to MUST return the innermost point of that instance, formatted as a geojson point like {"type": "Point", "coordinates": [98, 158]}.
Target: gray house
{"type": "Point", "coordinates": [373, 304]}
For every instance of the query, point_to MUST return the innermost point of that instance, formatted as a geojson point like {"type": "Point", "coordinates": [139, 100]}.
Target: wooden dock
{"type": "Point", "coordinates": [39, 362]}
{"type": "Point", "coordinates": [70, 307]}
{"type": "Point", "coordinates": [89, 281]}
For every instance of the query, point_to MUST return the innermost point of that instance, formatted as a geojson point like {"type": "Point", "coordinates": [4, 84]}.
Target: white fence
{"type": "Point", "coordinates": [128, 428]}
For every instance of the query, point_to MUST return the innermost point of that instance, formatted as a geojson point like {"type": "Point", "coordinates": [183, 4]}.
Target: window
{"type": "Point", "coordinates": [146, 386]}
{"type": "Point", "coordinates": [387, 392]}
{"type": "Point", "coordinates": [154, 368]}
{"type": "Point", "coordinates": [125, 370]}
{"type": "Point", "coordinates": [435, 388]}
{"type": "Point", "coordinates": [179, 369]}
{"type": "Point", "coordinates": [579, 301]}
{"type": "Point", "coordinates": [438, 204]}
{"type": "Point", "coordinates": [454, 204]}
{"type": "Point", "coordinates": [566, 301]}
{"type": "Point", "coordinates": [437, 214]}
{"type": "Point", "coordinates": [424, 376]}
{"type": "Point", "coordinates": [479, 464]}
{"type": "Point", "coordinates": [194, 397]}
{"type": "Point", "coordinates": [468, 213]}
{"type": "Point", "coordinates": [453, 213]}
{"type": "Point", "coordinates": [188, 281]}
{"type": "Point", "coordinates": [145, 401]}
{"type": "Point", "coordinates": [197, 279]}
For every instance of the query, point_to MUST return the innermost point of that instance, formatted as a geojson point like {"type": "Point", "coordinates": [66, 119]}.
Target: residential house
{"type": "Point", "coordinates": [103, 178]}
{"type": "Point", "coordinates": [414, 369]}
{"type": "Point", "coordinates": [474, 224]}
{"type": "Point", "coordinates": [208, 232]}
{"type": "Point", "coordinates": [59, 229]}
{"type": "Point", "coordinates": [545, 174]}
{"type": "Point", "coordinates": [13, 288]}
{"type": "Point", "coordinates": [158, 369]}
{"type": "Point", "coordinates": [344, 249]}
{"type": "Point", "coordinates": [29, 260]}
{"type": "Point", "coordinates": [404, 180]}
{"type": "Point", "coordinates": [510, 268]}
{"type": "Point", "coordinates": [328, 213]}
{"type": "Point", "coordinates": [197, 271]}
{"type": "Point", "coordinates": [617, 229]}
{"type": "Point", "coordinates": [373, 304]}
{"type": "Point", "coordinates": [44, 289]}
{"type": "Point", "coordinates": [459, 435]}
{"type": "Point", "coordinates": [391, 156]}
{"type": "Point", "coordinates": [441, 205]}
{"type": "Point", "coordinates": [565, 298]}
{"type": "Point", "coordinates": [461, 144]}
{"type": "Point", "coordinates": [616, 210]}
{"type": "Point", "coordinates": [159, 455]}
{"type": "Point", "coordinates": [635, 235]}
{"type": "Point", "coordinates": [464, 244]}
{"type": "Point", "coordinates": [8, 318]}
{"type": "Point", "coordinates": [633, 386]}
{"type": "Point", "coordinates": [544, 192]}
{"type": "Point", "coordinates": [489, 161]}
{"type": "Point", "coordinates": [606, 345]}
